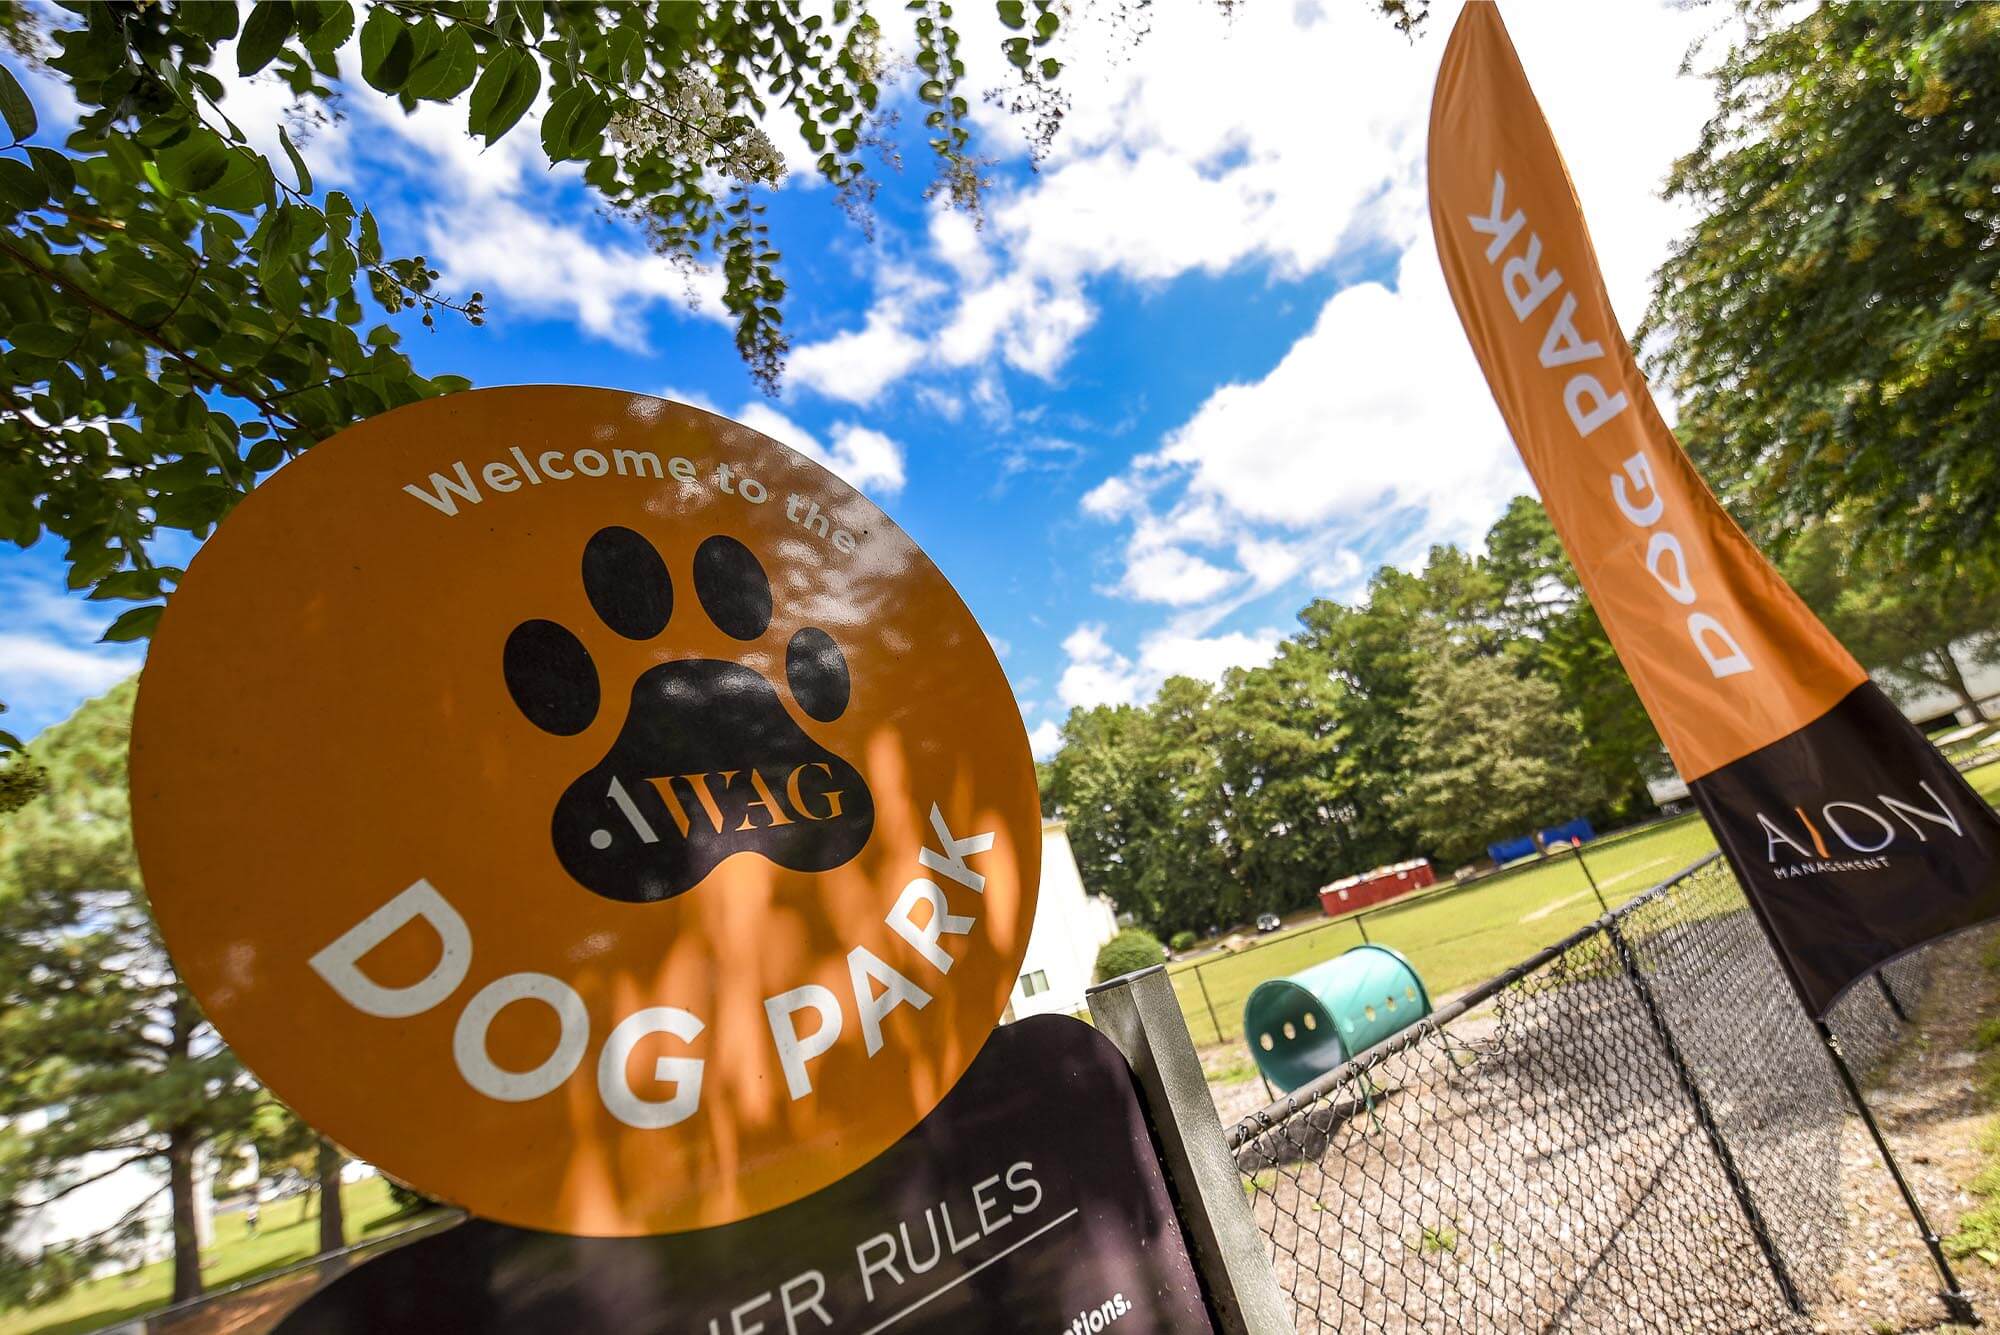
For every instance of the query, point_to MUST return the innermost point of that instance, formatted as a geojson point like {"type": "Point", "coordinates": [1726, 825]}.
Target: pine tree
{"type": "Point", "coordinates": [96, 1031]}
{"type": "Point", "coordinates": [1493, 754]}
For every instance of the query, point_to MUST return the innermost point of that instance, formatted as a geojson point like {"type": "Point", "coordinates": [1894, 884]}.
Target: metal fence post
{"type": "Point", "coordinates": [1889, 995]}
{"type": "Point", "coordinates": [1704, 1117]}
{"type": "Point", "coordinates": [1140, 1014]}
{"type": "Point", "coordinates": [1203, 984]}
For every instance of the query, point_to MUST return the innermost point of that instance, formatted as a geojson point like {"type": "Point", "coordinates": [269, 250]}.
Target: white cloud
{"type": "Point", "coordinates": [514, 252]}
{"type": "Point", "coordinates": [1374, 436]}
{"type": "Point", "coordinates": [29, 663]}
{"type": "Point", "coordinates": [1045, 740]}
{"type": "Point", "coordinates": [1098, 674]}
{"type": "Point", "coordinates": [1171, 654]}
{"type": "Point", "coordinates": [1114, 498]}
{"type": "Point", "coordinates": [491, 219]}
{"type": "Point", "coordinates": [868, 460]}
{"type": "Point", "coordinates": [1366, 415]}
{"type": "Point", "coordinates": [942, 402]}
{"type": "Point", "coordinates": [49, 659]}
{"type": "Point", "coordinates": [857, 366]}
{"type": "Point", "coordinates": [1173, 576]}
{"type": "Point", "coordinates": [1226, 137]}
{"type": "Point", "coordinates": [1269, 564]}
{"type": "Point", "coordinates": [1369, 434]}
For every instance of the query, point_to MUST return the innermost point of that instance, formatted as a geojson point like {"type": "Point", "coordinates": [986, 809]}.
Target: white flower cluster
{"type": "Point", "coordinates": [695, 124]}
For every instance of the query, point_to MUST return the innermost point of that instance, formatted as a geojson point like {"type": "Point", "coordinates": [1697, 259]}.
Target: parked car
{"type": "Point", "coordinates": [1268, 922]}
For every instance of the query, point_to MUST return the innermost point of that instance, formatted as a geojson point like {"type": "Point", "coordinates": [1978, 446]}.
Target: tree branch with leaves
{"type": "Point", "coordinates": [182, 313]}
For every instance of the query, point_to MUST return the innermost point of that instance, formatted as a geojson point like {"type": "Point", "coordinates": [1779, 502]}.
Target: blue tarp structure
{"type": "Point", "coordinates": [1562, 834]}
{"type": "Point", "coordinates": [1508, 849]}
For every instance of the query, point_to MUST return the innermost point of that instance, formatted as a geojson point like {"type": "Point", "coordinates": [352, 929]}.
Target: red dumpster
{"type": "Point", "coordinates": [1373, 887]}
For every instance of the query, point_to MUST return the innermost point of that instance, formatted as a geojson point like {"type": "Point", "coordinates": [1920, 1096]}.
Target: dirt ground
{"type": "Point", "coordinates": [1928, 1103]}
{"type": "Point", "coordinates": [1927, 1098]}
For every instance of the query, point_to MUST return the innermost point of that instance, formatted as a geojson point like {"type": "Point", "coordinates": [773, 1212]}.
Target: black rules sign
{"type": "Point", "coordinates": [1030, 1199]}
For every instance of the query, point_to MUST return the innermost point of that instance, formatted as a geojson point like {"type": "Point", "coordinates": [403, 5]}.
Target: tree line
{"type": "Point", "coordinates": [1473, 701]}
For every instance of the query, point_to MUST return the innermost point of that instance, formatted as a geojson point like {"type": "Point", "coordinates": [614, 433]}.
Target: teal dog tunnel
{"type": "Point", "coordinates": [1305, 1025]}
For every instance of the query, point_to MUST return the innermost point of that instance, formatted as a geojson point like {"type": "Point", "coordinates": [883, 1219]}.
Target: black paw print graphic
{"type": "Point", "coordinates": [709, 763]}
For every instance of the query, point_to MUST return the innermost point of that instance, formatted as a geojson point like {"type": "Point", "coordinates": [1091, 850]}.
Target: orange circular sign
{"type": "Point", "coordinates": [585, 808]}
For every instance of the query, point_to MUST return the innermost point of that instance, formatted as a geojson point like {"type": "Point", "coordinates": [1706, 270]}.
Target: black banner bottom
{"type": "Point", "coordinates": [1856, 841]}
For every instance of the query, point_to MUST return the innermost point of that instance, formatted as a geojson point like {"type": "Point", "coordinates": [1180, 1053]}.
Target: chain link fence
{"type": "Point", "coordinates": [1434, 926]}
{"type": "Point", "coordinates": [1636, 1129]}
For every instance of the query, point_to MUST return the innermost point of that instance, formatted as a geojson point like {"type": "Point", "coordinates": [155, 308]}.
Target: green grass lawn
{"type": "Point", "coordinates": [1986, 781]}
{"type": "Point", "coordinates": [287, 1233]}
{"type": "Point", "coordinates": [1454, 939]}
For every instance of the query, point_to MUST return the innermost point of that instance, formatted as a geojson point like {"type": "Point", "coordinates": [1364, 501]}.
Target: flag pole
{"type": "Point", "coordinates": [1576, 843]}
{"type": "Point", "coordinates": [1956, 1304]}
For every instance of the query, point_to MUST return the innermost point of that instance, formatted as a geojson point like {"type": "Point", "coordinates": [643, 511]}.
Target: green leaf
{"type": "Point", "coordinates": [1046, 25]}
{"type": "Point", "coordinates": [212, 23]}
{"type": "Point", "coordinates": [556, 124]}
{"type": "Point", "coordinates": [53, 168]}
{"type": "Point", "coordinates": [447, 71]}
{"type": "Point", "coordinates": [1017, 51]}
{"type": "Point", "coordinates": [275, 242]}
{"type": "Point", "coordinates": [264, 35]}
{"type": "Point", "coordinates": [132, 584]}
{"type": "Point", "coordinates": [195, 163]}
{"type": "Point", "coordinates": [136, 624]}
{"type": "Point", "coordinates": [246, 182]}
{"type": "Point", "coordinates": [20, 188]}
{"type": "Point", "coordinates": [334, 27]}
{"type": "Point", "coordinates": [298, 163]}
{"type": "Point", "coordinates": [505, 92]}
{"type": "Point", "coordinates": [1051, 67]}
{"type": "Point", "coordinates": [574, 122]}
{"type": "Point", "coordinates": [387, 48]}
{"type": "Point", "coordinates": [43, 340]}
{"type": "Point", "coordinates": [15, 106]}
{"type": "Point", "coordinates": [1011, 14]}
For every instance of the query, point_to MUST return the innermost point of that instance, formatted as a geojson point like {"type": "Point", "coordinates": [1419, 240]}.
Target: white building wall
{"type": "Point", "coordinates": [1070, 926]}
{"type": "Point", "coordinates": [1924, 703]}
{"type": "Point", "coordinates": [97, 1205]}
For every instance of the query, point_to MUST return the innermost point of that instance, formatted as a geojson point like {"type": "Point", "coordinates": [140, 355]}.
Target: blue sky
{"type": "Point", "coordinates": [1194, 372]}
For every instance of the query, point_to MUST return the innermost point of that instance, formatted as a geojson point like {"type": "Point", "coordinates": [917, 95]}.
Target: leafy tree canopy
{"type": "Point", "coordinates": [180, 313]}
{"type": "Point", "coordinates": [1918, 628]}
{"type": "Point", "coordinates": [1831, 327]}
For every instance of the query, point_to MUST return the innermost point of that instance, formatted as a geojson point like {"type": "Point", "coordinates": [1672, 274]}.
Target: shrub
{"type": "Point", "coordinates": [1184, 941]}
{"type": "Point", "coordinates": [1130, 950]}
{"type": "Point", "coordinates": [408, 1199]}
